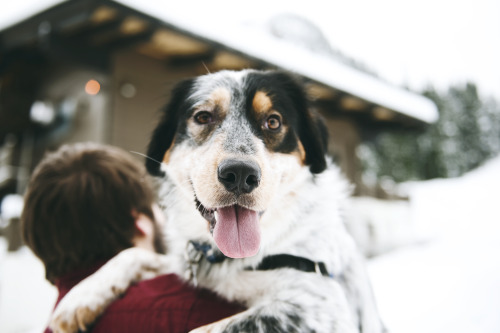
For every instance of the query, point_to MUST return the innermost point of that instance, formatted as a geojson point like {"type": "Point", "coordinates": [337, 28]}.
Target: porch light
{"type": "Point", "coordinates": [92, 87]}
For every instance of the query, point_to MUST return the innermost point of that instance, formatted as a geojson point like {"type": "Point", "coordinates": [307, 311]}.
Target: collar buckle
{"type": "Point", "coordinates": [317, 268]}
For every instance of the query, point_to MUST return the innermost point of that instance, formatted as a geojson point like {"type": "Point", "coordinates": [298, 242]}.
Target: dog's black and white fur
{"type": "Point", "coordinates": [244, 171]}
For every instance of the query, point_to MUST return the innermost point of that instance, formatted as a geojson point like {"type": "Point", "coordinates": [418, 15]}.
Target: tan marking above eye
{"type": "Point", "coordinates": [261, 102]}
{"type": "Point", "coordinates": [221, 97]}
{"type": "Point", "coordinates": [214, 107]}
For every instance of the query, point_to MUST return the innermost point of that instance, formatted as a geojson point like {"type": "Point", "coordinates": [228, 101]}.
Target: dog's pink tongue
{"type": "Point", "coordinates": [237, 232]}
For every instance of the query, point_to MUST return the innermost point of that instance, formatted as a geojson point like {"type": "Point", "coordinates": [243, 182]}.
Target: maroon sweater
{"type": "Point", "coordinates": [163, 304]}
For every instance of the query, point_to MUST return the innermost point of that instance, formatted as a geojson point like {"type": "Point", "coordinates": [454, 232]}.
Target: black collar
{"type": "Point", "coordinates": [288, 261]}
{"type": "Point", "coordinates": [214, 256]}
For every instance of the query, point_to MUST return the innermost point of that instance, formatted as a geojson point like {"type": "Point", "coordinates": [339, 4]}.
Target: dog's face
{"type": "Point", "coordinates": [229, 140]}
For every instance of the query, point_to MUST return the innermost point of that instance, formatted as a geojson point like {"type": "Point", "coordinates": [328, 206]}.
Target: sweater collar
{"type": "Point", "coordinates": [69, 280]}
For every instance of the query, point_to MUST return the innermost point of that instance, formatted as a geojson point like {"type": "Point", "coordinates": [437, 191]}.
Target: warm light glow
{"type": "Point", "coordinates": [92, 87]}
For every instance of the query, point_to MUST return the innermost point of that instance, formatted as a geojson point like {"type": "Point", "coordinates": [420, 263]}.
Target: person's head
{"type": "Point", "coordinates": [85, 203]}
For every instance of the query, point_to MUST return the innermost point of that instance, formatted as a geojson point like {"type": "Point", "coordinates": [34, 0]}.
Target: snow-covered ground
{"type": "Point", "coordinates": [447, 282]}
{"type": "Point", "coordinates": [26, 298]}
{"type": "Point", "coordinates": [450, 282]}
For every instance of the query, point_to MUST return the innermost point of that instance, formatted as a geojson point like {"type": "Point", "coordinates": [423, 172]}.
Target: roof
{"type": "Point", "coordinates": [261, 45]}
{"type": "Point", "coordinates": [323, 69]}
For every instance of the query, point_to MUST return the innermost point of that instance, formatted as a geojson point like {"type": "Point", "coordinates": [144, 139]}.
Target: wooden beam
{"type": "Point", "coordinates": [317, 91]}
{"type": "Point", "coordinates": [133, 25]}
{"type": "Point", "coordinates": [165, 42]}
{"type": "Point", "coordinates": [229, 60]}
{"type": "Point", "coordinates": [104, 14]}
{"type": "Point", "coordinates": [383, 114]}
{"type": "Point", "coordinates": [352, 103]}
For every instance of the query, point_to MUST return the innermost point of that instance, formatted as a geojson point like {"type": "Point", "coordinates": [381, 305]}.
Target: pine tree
{"type": "Point", "coordinates": [466, 134]}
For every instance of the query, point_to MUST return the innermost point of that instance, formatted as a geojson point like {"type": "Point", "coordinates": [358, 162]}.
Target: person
{"type": "Point", "coordinates": [84, 204]}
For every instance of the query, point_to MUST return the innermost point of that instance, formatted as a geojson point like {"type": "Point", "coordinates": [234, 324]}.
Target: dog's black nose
{"type": "Point", "coordinates": [239, 176]}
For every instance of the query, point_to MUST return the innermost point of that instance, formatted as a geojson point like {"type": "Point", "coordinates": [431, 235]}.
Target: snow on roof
{"type": "Point", "coordinates": [262, 45]}
{"type": "Point", "coordinates": [13, 12]}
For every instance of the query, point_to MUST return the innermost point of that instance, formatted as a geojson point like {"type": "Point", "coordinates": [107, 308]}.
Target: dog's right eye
{"type": "Point", "coordinates": [203, 117]}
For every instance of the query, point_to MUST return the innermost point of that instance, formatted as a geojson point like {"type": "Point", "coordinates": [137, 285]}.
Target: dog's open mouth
{"type": "Point", "coordinates": [235, 229]}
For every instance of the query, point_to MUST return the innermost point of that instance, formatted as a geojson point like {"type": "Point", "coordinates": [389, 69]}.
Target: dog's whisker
{"type": "Point", "coordinates": [185, 182]}
{"type": "Point", "coordinates": [146, 156]}
{"type": "Point", "coordinates": [204, 65]}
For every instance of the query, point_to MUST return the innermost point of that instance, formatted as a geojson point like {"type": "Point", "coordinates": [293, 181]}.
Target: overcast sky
{"type": "Point", "coordinates": [407, 42]}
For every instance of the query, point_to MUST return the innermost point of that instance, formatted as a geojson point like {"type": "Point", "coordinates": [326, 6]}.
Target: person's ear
{"type": "Point", "coordinates": [143, 224]}
{"type": "Point", "coordinates": [144, 232]}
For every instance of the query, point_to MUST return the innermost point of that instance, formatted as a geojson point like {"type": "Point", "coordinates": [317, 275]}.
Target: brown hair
{"type": "Point", "coordinates": [80, 203]}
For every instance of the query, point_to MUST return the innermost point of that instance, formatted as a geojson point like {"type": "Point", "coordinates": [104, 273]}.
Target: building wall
{"type": "Point", "coordinates": [79, 116]}
{"type": "Point", "coordinates": [140, 89]}
{"type": "Point", "coordinates": [344, 139]}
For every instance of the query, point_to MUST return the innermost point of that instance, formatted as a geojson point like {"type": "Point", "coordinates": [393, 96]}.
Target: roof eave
{"type": "Point", "coordinates": [262, 46]}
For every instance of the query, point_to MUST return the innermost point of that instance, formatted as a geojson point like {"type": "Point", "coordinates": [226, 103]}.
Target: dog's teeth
{"type": "Point", "coordinates": [216, 215]}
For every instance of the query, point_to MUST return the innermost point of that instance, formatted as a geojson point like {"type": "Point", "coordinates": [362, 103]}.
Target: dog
{"type": "Point", "coordinates": [254, 212]}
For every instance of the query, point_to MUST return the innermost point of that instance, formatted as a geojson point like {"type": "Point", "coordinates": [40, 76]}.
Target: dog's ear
{"type": "Point", "coordinates": [311, 128]}
{"type": "Point", "coordinates": [164, 133]}
{"type": "Point", "coordinates": [314, 137]}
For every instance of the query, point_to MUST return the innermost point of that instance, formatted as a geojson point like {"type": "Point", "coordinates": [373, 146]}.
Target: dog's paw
{"type": "Point", "coordinates": [85, 302]}
{"type": "Point", "coordinates": [71, 316]}
{"type": "Point", "coordinates": [72, 320]}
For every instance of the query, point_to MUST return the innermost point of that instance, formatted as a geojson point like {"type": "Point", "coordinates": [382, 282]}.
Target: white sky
{"type": "Point", "coordinates": [405, 41]}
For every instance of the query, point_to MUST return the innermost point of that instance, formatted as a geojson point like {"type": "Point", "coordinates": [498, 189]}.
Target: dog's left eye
{"type": "Point", "coordinates": [273, 122]}
{"type": "Point", "coordinates": [203, 117]}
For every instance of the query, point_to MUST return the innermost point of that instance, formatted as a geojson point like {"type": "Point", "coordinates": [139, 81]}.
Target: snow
{"type": "Point", "coordinates": [450, 285]}
{"type": "Point", "coordinates": [449, 281]}
{"type": "Point", "coordinates": [11, 206]}
{"type": "Point", "coordinates": [26, 298]}
{"type": "Point", "coordinates": [13, 12]}
{"type": "Point", "coordinates": [380, 226]}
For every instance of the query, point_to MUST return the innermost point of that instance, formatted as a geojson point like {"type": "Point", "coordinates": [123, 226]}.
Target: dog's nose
{"type": "Point", "coordinates": [239, 176]}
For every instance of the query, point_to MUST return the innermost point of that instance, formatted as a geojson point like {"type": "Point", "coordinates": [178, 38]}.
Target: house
{"type": "Point", "coordinates": [101, 70]}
